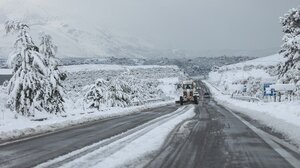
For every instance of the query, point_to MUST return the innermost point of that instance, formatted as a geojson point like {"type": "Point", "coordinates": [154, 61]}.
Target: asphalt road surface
{"type": "Point", "coordinates": [34, 151]}
{"type": "Point", "coordinates": [4, 78]}
{"type": "Point", "coordinates": [215, 138]}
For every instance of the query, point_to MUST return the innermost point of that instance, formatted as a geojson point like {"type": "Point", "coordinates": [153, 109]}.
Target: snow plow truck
{"type": "Point", "coordinates": [189, 92]}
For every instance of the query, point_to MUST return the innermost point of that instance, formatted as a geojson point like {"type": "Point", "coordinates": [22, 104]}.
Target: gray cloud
{"type": "Point", "coordinates": [185, 24]}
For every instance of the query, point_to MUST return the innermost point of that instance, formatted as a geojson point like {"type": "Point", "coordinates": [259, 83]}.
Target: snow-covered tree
{"type": "Point", "coordinates": [109, 93]}
{"type": "Point", "coordinates": [48, 49]}
{"type": "Point", "coordinates": [139, 90]}
{"type": "Point", "coordinates": [289, 72]}
{"type": "Point", "coordinates": [97, 94]}
{"type": "Point", "coordinates": [119, 93]}
{"type": "Point", "coordinates": [53, 91]}
{"type": "Point", "coordinates": [254, 87]}
{"type": "Point", "coordinates": [26, 86]}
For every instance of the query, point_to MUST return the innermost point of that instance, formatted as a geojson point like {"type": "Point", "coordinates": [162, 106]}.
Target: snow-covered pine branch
{"type": "Point", "coordinates": [289, 72]}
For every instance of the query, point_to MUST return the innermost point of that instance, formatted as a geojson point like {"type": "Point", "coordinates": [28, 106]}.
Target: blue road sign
{"type": "Point", "coordinates": [267, 90]}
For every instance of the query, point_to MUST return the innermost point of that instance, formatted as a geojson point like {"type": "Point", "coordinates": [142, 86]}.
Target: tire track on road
{"type": "Point", "coordinates": [115, 143]}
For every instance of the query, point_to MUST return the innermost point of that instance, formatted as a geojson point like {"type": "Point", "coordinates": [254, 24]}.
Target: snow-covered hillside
{"type": "Point", "coordinates": [271, 60]}
{"type": "Point", "coordinates": [250, 75]}
{"type": "Point", "coordinates": [75, 37]}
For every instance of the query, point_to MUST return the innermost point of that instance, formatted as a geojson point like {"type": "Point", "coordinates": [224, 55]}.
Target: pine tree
{"type": "Point", "coordinates": [97, 94]}
{"type": "Point", "coordinates": [119, 93]}
{"type": "Point", "coordinates": [289, 72]}
{"type": "Point", "coordinates": [26, 86]}
{"type": "Point", "coordinates": [53, 92]}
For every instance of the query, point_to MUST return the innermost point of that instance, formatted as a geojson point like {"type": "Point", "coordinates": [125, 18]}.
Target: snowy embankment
{"type": "Point", "coordinates": [14, 126]}
{"type": "Point", "coordinates": [225, 83]}
{"type": "Point", "coordinates": [131, 149]}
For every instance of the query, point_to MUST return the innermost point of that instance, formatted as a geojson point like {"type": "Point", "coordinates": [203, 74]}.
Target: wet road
{"type": "Point", "coordinates": [215, 138]}
{"type": "Point", "coordinates": [4, 78]}
{"type": "Point", "coordinates": [34, 151]}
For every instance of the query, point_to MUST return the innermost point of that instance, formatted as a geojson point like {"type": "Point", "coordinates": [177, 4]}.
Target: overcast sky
{"type": "Point", "coordinates": [196, 24]}
{"type": "Point", "coordinates": [187, 24]}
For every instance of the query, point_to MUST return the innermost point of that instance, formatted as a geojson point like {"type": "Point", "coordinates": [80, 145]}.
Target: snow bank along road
{"type": "Point", "coordinates": [31, 152]}
{"type": "Point", "coordinates": [217, 137]}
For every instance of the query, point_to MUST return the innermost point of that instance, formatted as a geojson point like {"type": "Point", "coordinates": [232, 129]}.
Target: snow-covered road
{"type": "Point", "coordinates": [205, 135]}
{"type": "Point", "coordinates": [114, 134]}
{"type": "Point", "coordinates": [129, 148]}
{"type": "Point", "coordinates": [217, 137]}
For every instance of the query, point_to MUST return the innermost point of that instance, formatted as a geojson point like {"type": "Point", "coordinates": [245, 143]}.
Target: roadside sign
{"type": "Point", "coordinates": [267, 90]}
{"type": "Point", "coordinates": [245, 88]}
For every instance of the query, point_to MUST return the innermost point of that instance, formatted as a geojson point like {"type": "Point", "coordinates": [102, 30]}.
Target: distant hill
{"type": "Point", "coordinates": [77, 38]}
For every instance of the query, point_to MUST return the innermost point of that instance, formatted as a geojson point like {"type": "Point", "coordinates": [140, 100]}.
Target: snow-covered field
{"type": "Point", "coordinates": [161, 80]}
{"type": "Point", "coordinates": [283, 117]}
{"type": "Point", "coordinates": [158, 80]}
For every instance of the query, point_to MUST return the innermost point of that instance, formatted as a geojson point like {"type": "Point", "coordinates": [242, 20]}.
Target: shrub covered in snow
{"type": "Point", "coordinates": [148, 81]}
{"type": "Point", "coordinates": [96, 94]}
{"type": "Point", "coordinates": [118, 93]}
{"type": "Point", "coordinates": [121, 91]}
